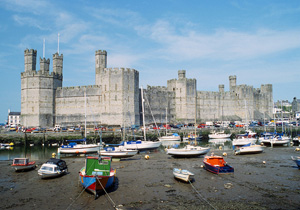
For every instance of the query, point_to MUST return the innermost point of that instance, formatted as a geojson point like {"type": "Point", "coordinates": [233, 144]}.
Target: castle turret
{"type": "Point", "coordinates": [30, 60]}
{"type": "Point", "coordinates": [57, 64]}
{"type": "Point", "coordinates": [100, 64]}
{"type": "Point", "coordinates": [181, 74]}
{"type": "Point", "coordinates": [44, 65]}
{"type": "Point", "coordinates": [221, 88]}
{"type": "Point", "coordinates": [232, 83]}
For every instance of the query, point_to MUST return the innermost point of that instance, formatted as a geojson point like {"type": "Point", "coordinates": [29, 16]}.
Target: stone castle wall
{"type": "Point", "coordinates": [115, 99]}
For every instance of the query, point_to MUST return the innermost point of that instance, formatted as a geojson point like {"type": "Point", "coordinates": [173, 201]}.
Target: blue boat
{"type": "Point", "coordinates": [297, 161]}
{"type": "Point", "coordinates": [217, 164]}
{"type": "Point", "coordinates": [97, 175]}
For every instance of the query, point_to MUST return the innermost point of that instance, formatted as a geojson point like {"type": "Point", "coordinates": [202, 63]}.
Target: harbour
{"type": "Point", "coordinates": [268, 180]}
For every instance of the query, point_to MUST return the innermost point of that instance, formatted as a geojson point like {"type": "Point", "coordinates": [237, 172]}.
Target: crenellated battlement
{"type": "Point", "coordinates": [30, 51]}
{"type": "Point", "coordinates": [100, 52]}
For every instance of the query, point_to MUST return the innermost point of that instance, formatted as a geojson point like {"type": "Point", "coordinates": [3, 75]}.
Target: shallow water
{"type": "Point", "coordinates": [33, 152]}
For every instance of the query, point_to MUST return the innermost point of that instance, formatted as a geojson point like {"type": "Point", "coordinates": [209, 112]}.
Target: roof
{"type": "Point", "coordinates": [14, 113]}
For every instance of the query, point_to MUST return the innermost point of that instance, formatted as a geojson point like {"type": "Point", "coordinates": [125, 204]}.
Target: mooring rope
{"type": "Point", "coordinates": [114, 204]}
{"type": "Point", "coordinates": [78, 196]}
{"type": "Point", "coordinates": [202, 196]}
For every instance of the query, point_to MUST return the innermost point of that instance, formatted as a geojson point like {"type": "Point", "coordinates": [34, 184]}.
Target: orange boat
{"type": "Point", "coordinates": [217, 164]}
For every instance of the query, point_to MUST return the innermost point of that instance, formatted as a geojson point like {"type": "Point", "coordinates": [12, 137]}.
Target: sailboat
{"type": "Point", "coordinates": [83, 148]}
{"type": "Point", "coordinates": [142, 144]}
{"type": "Point", "coordinates": [169, 137]}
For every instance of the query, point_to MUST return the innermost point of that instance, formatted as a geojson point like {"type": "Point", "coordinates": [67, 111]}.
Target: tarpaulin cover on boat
{"type": "Point", "coordinates": [61, 163]}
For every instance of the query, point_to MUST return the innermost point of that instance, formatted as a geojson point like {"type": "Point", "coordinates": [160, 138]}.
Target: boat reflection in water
{"type": "Point", "coordinates": [216, 143]}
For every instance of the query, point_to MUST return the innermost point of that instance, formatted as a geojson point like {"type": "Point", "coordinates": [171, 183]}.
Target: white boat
{"type": "Point", "coordinates": [188, 151]}
{"type": "Point", "coordinates": [274, 139]}
{"type": "Point", "coordinates": [23, 164]}
{"type": "Point", "coordinates": [118, 152]}
{"type": "Point", "coordinates": [243, 139]}
{"type": "Point", "coordinates": [183, 175]}
{"type": "Point", "coordinates": [74, 148]}
{"type": "Point", "coordinates": [170, 137]}
{"type": "Point", "coordinates": [142, 145]}
{"type": "Point", "coordinates": [53, 168]}
{"type": "Point", "coordinates": [139, 144]}
{"type": "Point", "coordinates": [249, 149]}
{"type": "Point", "coordinates": [219, 135]}
{"type": "Point", "coordinates": [191, 137]}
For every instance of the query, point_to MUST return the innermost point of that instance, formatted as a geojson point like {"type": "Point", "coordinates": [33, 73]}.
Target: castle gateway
{"type": "Point", "coordinates": [115, 98]}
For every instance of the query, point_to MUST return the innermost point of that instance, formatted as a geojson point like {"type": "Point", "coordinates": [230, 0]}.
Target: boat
{"type": "Point", "coordinates": [274, 138]}
{"type": "Point", "coordinates": [74, 148]}
{"type": "Point", "coordinates": [296, 160]}
{"type": "Point", "coordinates": [191, 137]}
{"type": "Point", "coordinates": [97, 175]}
{"type": "Point", "coordinates": [217, 165]}
{"type": "Point", "coordinates": [219, 135]}
{"type": "Point", "coordinates": [183, 175]}
{"type": "Point", "coordinates": [188, 151]}
{"type": "Point", "coordinates": [244, 139]}
{"type": "Point", "coordinates": [170, 137]}
{"type": "Point", "coordinates": [249, 149]}
{"type": "Point", "coordinates": [296, 140]}
{"type": "Point", "coordinates": [53, 168]}
{"type": "Point", "coordinates": [23, 164]}
{"type": "Point", "coordinates": [139, 144]}
{"type": "Point", "coordinates": [118, 152]}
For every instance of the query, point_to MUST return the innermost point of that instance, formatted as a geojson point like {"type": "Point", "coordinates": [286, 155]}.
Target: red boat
{"type": "Point", "coordinates": [22, 164]}
{"type": "Point", "coordinates": [217, 164]}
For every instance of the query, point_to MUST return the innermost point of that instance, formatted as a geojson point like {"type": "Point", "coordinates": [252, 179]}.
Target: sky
{"type": "Point", "coordinates": [256, 40]}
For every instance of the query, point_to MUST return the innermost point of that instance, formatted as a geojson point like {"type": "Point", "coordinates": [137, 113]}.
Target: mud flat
{"type": "Point", "coordinates": [262, 181]}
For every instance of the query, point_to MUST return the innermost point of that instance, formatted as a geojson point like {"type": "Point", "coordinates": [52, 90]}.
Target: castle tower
{"type": "Point", "coordinates": [232, 83]}
{"type": "Point", "coordinates": [221, 88]}
{"type": "Point", "coordinates": [30, 60]}
{"type": "Point", "coordinates": [57, 64]}
{"type": "Point", "coordinates": [44, 65]}
{"type": "Point", "coordinates": [100, 64]}
{"type": "Point", "coordinates": [38, 91]}
{"type": "Point", "coordinates": [181, 74]}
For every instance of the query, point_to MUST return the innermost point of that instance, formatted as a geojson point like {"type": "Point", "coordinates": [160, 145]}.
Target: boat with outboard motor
{"type": "Point", "coordinates": [23, 164]}
{"type": "Point", "coordinates": [217, 164]}
{"type": "Point", "coordinates": [53, 168]}
{"type": "Point", "coordinates": [249, 149]}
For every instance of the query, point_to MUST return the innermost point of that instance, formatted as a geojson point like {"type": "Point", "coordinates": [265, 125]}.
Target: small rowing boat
{"type": "Point", "coordinates": [183, 175]}
{"type": "Point", "coordinates": [217, 164]}
{"type": "Point", "coordinates": [23, 164]}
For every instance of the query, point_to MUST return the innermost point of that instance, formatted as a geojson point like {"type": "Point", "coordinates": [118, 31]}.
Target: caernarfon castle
{"type": "Point", "coordinates": [115, 98]}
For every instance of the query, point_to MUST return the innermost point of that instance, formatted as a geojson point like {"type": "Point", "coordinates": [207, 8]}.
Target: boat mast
{"type": "Point", "coordinates": [195, 114]}
{"type": "Point", "coordinates": [85, 114]}
{"type": "Point", "coordinates": [143, 110]}
{"type": "Point", "coordinates": [166, 120]}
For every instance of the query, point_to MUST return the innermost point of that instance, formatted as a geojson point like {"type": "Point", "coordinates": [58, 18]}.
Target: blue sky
{"type": "Point", "coordinates": [258, 41]}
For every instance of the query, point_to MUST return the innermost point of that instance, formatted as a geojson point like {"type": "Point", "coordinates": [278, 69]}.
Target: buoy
{"type": "Point", "coordinates": [11, 144]}
{"type": "Point", "coordinates": [224, 154]}
{"type": "Point", "coordinates": [53, 154]}
{"type": "Point", "coordinates": [220, 147]}
{"type": "Point", "coordinates": [292, 144]}
{"type": "Point", "coordinates": [264, 162]}
{"type": "Point", "coordinates": [147, 157]}
{"type": "Point", "coordinates": [201, 166]}
{"type": "Point", "coordinates": [297, 149]}
{"type": "Point", "coordinates": [262, 144]}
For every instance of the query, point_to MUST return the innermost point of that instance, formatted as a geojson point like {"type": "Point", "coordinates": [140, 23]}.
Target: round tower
{"type": "Point", "coordinates": [221, 88]}
{"type": "Point", "coordinates": [57, 64]}
{"type": "Point", "coordinates": [101, 59]}
{"type": "Point", "coordinates": [30, 60]}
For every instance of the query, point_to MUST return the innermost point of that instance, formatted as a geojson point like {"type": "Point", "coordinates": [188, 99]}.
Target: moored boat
{"type": "Point", "coordinates": [74, 148]}
{"type": "Point", "coordinates": [97, 174]}
{"type": "Point", "coordinates": [53, 168]}
{"type": "Point", "coordinates": [183, 175]}
{"type": "Point", "coordinates": [249, 149]}
{"type": "Point", "coordinates": [219, 135]}
{"type": "Point", "coordinates": [274, 139]}
{"type": "Point", "coordinates": [217, 164]}
{"type": "Point", "coordinates": [296, 160]}
{"type": "Point", "coordinates": [170, 137]}
{"type": "Point", "coordinates": [118, 152]}
{"type": "Point", "coordinates": [23, 164]}
{"type": "Point", "coordinates": [188, 151]}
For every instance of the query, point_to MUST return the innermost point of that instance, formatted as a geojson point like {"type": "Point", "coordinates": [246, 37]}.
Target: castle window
{"type": "Point", "coordinates": [105, 89]}
{"type": "Point", "coordinates": [116, 87]}
{"type": "Point", "coordinates": [128, 98]}
{"type": "Point", "coordinates": [128, 87]}
{"type": "Point", "coordinates": [115, 97]}
{"type": "Point", "coordinates": [173, 89]}
{"type": "Point", "coordinates": [104, 98]}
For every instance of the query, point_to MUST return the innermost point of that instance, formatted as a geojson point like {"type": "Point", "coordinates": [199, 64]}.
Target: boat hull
{"type": "Point", "coordinates": [24, 168]}
{"type": "Point", "coordinates": [142, 145]}
{"type": "Point", "coordinates": [219, 136]}
{"type": "Point", "coordinates": [217, 165]}
{"type": "Point", "coordinates": [96, 183]}
{"type": "Point", "coordinates": [185, 152]}
{"type": "Point", "coordinates": [182, 175]}
{"type": "Point", "coordinates": [79, 149]}
{"type": "Point", "coordinates": [253, 149]}
{"type": "Point", "coordinates": [119, 154]}
{"type": "Point", "coordinates": [242, 142]}
{"type": "Point", "coordinates": [169, 138]}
